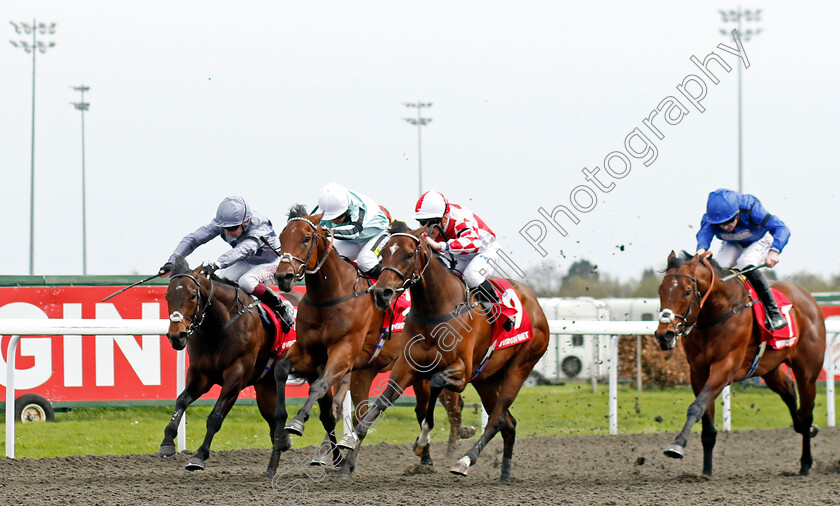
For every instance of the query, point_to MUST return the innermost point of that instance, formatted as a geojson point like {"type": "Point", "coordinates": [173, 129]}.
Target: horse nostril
{"type": "Point", "coordinates": [387, 294]}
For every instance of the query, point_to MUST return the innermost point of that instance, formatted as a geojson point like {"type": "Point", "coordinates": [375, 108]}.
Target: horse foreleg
{"type": "Point", "coordinates": [720, 375]}
{"type": "Point", "coordinates": [339, 363]}
{"type": "Point", "coordinates": [708, 437]}
{"type": "Point", "coordinates": [196, 387]}
{"type": "Point", "coordinates": [281, 440]}
{"type": "Point", "coordinates": [328, 453]}
{"type": "Point", "coordinates": [267, 404]}
{"type": "Point", "coordinates": [360, 386]}
{"type": "Point", "coordinates": [421, 407]}
{"type": "Point", "coordinates": [427, 422]}
{"type": "Point", "coordinates": [401, 377]}
{"type": "Point", "coordinates": [227, 398]}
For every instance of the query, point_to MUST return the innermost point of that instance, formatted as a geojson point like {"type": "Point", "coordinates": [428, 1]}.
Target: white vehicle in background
{"type": "Point", "coordinates": [581, 357]}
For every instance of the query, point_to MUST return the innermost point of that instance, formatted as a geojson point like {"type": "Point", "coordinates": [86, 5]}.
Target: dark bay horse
{"type": "Point", "coordinates": [451, 341]}
{"type": "Point", "coordinates": [721, 342]}
{"type": "Point", "coordinates": [228, 345]}
{"type": "Point", "coordinates": [338, 329]}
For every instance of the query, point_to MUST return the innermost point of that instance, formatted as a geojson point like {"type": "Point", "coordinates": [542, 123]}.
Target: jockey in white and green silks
{"type": "Point", "coordinates": [358, 223]}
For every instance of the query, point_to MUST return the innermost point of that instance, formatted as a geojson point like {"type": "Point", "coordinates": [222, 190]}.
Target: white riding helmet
{"type": "Point", "coordinates": [333, 201]}
{"type": "Point", "coordinates": [232, 211]}
{"type": "Point", "coordinates": [431, 205]}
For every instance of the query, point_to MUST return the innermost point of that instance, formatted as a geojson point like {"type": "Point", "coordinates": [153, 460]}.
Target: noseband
{"type": "Point", "coordinates": [410, 277]}
{"type": "Point", "coordinates": [195, 321]}
{"type": "Point", "coordinates": [301, 271]}
{"type": "Point", "coordinates": [667, 315]}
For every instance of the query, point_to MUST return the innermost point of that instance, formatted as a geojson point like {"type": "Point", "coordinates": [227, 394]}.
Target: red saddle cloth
{"type": "Point", "coordinates": [282, 341]}
{"type": "Point", "coordinates": [510, 309]}
{"type": "Point", "coordinates": [395, 315]}
{"type": "Point", "coordinates": [782, 338]}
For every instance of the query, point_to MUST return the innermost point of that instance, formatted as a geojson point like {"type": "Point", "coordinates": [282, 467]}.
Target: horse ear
{"type": "Point", "coordinates": [671, 256]}
{"type": "Point", "coordinates": [316, 218]}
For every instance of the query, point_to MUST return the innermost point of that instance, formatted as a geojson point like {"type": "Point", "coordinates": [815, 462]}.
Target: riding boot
{"type": "Point", "coordinates": [282, 308]}
{"type": "Point", "coordinates": [775, 319]}
{"type": "Point", "coordinates": [486, 295]}
{"type": "Point", "coordinates": [374, 272]}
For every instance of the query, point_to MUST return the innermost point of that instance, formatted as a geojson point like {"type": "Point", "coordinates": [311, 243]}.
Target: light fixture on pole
{"type": "Point", "coordinates": [419, 121]}
{"type": "Point", "coordinates": [735, 16]}
{"type": "Point", "coordinates": [83, 106]}
{"type": "Point", "coordinates": [34, 48]}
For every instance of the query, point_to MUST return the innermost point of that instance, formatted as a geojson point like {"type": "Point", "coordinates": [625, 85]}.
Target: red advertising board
{"type": "Point", "coordinates": [97, 370]}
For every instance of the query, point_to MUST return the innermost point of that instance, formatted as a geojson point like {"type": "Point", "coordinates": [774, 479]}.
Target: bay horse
{"type": "Point", "coordinates": [721, 343]}
{"type": "Point", "coordinates": [228, 345]}
{"type": "Point", "coordinates": [451, 345]}
{"type": "Point", "coordinates": [338, 331]}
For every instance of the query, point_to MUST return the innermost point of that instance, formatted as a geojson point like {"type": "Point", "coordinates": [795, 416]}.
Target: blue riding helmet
{"type": "Point", "coordinates": [721, 206]}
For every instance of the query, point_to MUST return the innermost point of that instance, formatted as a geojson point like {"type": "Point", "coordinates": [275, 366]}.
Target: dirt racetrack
{"type": "Point", "coordinates": [752, 467]}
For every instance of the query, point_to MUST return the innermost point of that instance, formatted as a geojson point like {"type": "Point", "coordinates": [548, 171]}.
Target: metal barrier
{"type": "Point", "coordinates": [40, 327]}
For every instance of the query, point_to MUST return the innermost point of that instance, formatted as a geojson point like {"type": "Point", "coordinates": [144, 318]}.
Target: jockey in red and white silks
{"type": "Point", "coordinates": [458, 233]}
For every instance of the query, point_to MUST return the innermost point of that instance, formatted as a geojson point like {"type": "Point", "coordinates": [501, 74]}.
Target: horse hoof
{"type": "Point", "coordinates": [462, 467]}
{"type": "Point", "coordinates": [674, 451]}
{"type": "Point", "coordinates": [349, 442]}
{"type": "Point", "coordinates": [814, 430]}
{"type": "Point", "coordinates": [166, 451]}
{"type": "Point", "coordinates": [426, 461]}
{"type": "Point", "coordinates": [195, 464]}
{"type": "Point", "coordinates": [318, 462]}
{"type": "Point", "coordinates": [295, 427]}
{"type": "Point", "coordinates": [466, 431]}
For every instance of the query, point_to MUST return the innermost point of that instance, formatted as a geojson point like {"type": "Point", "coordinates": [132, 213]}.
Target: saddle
{"type": "Point", "coordinates": [782, 338]}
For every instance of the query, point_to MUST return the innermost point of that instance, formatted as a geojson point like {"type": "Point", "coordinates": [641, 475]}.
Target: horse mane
{"type": "Point", "coordinates": [297, 211]}
{"type": "Point", "coordinates": [180, 265]}
{"type": "Point", "coordinates": [399, 227]}
{"type": "Point", "coordinates": [679, 260]}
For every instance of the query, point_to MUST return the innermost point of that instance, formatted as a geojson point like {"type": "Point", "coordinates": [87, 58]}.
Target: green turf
{"type": "Point", "coordinates": [563, 410]}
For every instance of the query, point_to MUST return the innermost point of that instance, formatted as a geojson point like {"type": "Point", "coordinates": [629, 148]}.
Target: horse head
{"type": "Point", "coordinates": [679, 299]}
{"type": "Point", "coordinates": [183, 296]}
{"type": "Point", "coordinates": [301, 250]}
{"type": "Point", "coordinates": [401, 264]}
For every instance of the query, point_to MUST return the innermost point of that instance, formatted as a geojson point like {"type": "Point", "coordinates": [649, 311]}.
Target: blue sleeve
{"type": "Point", "coordinates": [777, 228]}
{"type": "Point", "coordinates": [705, 234]}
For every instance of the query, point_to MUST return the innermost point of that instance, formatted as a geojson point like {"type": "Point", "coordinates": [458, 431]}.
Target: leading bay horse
{"type": "Point", "coordinates": [451, 345]}
{"type": "Point", "coordinates": [228, 345]}
{"type": "Point", "coordinates": [721, 340]}
{"type": "Point", "coordinates": [338, 331]}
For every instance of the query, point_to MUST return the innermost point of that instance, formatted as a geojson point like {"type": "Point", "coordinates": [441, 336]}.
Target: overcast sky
{"type": "Point", "coordinates": [193, 101]}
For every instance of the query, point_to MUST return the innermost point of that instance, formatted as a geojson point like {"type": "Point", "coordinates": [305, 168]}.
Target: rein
{"type": "Point", "coordinates": [301, 271]}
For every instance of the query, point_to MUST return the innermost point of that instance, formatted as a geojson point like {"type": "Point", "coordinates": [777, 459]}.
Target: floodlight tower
{"type": "Point", "coordinates": [735, 16]}
{"type": "Point", "coordinates": [419, 122]}
{"type": "Point", "coordinates": [34, 48]}
{"type": "Point", "coordinates": [83, 106]}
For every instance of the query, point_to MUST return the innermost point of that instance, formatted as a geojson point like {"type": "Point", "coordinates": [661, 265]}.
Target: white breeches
{"type": "Point", "coordinates": [732, 254]}
{"type": "Point", "coordinates": [248, 276]}
{"type": "Point", "coordinates": [476, 268]}
{"type": "Point", "coordinates": [365, 254]}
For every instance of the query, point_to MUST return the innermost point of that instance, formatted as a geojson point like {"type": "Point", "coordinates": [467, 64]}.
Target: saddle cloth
{"type": "Point", "coordinates": [778, 339]}
{"type": "Point", "coordinates": [282, 341]}
{"type": "Point", "coordinates": [509, 309]}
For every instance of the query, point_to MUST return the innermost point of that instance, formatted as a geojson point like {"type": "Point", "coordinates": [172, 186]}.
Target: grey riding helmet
{"type": "Point", "coordinates": [232, 211]}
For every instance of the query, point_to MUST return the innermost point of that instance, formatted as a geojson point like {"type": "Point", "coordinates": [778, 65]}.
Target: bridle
{"type": "Point", "coordinates": [410, 277]}
{"type": "Point", "coordinates": [667, 315]}
{"type": "Point", "coordinates": [302, 270]}
{"type": "Point", "coordinates": [195, 321]}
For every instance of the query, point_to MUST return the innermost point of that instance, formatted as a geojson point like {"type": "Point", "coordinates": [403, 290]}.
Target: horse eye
{"type": "Point", "coordinates": [307, 239]}
{"type": "Point", "coordinates": [193, 297]}
{"type": "Point", "coordinates": [687, 292]}
{"type": "Point", "coordinates": [410, 255]}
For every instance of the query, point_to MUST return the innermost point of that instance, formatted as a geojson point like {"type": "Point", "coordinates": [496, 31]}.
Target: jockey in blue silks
{"type": "Point", "coordinates": [751, 236]}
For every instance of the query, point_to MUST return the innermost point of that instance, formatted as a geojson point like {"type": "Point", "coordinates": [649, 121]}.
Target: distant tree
{"type": "Point", "coordinates": [544, 279]}
{"type": "Point", "coordinates": [648, 286]}
{"type": "Point", "coordinates": [583, 269]}
{"type": "Point", "coordinates": [811, 282]}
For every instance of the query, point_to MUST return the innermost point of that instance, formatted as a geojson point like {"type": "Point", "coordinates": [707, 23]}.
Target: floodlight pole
{"type": "Point", "coordinates": [34, 48]}
{"type": "Point", "coordinates": [419, 122]}
{"type": "Point", "coordinates": [83, 106]}
{"type": "Point", "coordinates": [727, 17]}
